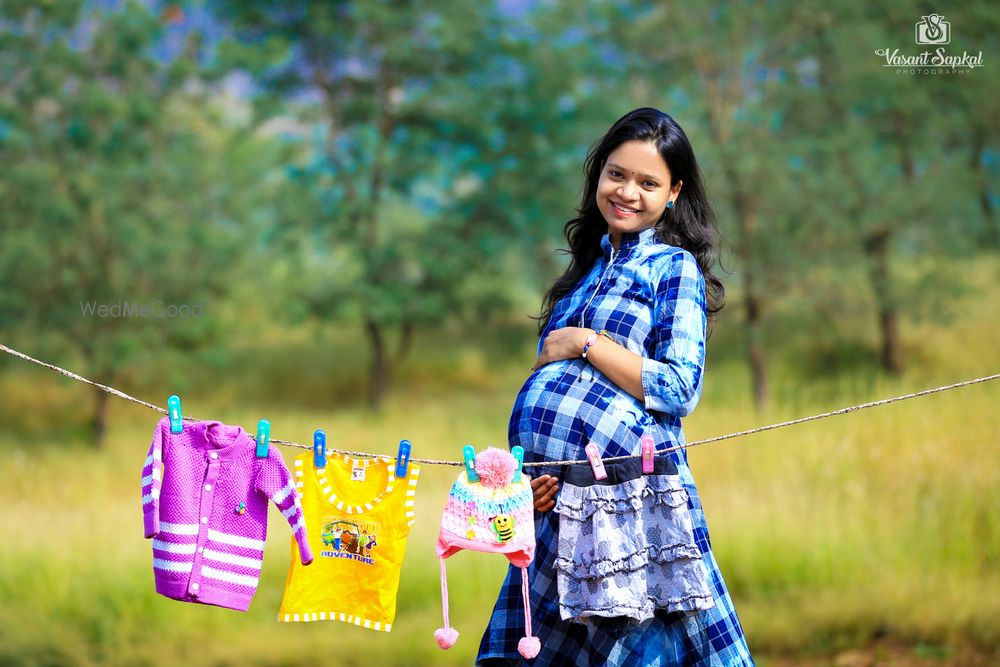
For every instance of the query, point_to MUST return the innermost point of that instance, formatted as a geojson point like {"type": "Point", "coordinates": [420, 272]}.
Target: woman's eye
{"type": "Point", "coordinates": [650, 184]}
{"type": "Point", "coordinates": [616, 174]}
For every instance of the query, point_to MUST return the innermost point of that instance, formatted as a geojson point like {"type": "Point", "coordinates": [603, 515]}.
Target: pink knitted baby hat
{"type": "Point", "coordinates": [495, 515]}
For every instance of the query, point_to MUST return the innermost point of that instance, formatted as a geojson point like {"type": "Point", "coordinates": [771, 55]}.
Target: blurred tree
{"type": "Point", "coordinates": [971, 102]}
{"type": "Point", "coordinates": [891, 153]}
{"type": "Point", "coordinates": [719, 65]}
{"type": "Point", "coordinates": [823, 157]}
{"type": "Point", "coordinates": [541, 102]}
{"type": "Point", "coordinates": [120, 188]}
{"type": "Point", "coordinates": [391, 92]}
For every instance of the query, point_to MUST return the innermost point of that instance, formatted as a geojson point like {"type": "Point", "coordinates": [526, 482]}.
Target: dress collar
{"type": "Point", "coordinates": [227, 441]}
{"type": "Point", "coordinates": [629, 240]}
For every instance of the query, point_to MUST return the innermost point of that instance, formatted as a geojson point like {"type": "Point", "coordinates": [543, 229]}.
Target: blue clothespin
{"type": "Point", "coordinates": [403, 457]}
{"type": "Point", "coordinates": [263, 438]}
{"type": "Point", "coordinates": [469, 454]}
{"type": "Point", "coordinates": [319, 448]}
{"type": "Point", "coordinates": [174, 408]}
{"type": "Point", "coordinates": [518, 452]}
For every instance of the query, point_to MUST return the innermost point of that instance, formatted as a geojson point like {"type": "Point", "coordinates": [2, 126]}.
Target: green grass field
{"type": "Point", "coordinates": [832, 535]}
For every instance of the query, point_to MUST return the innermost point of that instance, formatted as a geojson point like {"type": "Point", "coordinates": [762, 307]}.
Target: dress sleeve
{"type": "Point", "coordinates": [671, 379]}
{"type": "Point", "coordinates": [152, 479]}
{"type": "Point", "coordinates": [275, 482]}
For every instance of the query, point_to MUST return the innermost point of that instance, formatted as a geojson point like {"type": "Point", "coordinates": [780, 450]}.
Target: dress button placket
{"type": "Point", "coordinates": [204, 512]}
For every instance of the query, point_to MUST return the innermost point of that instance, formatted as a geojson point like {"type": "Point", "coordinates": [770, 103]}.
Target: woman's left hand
{"type": "Point", "coordinates": [565, 343]}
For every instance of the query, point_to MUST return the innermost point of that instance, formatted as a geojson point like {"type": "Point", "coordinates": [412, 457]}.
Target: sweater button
{"type": "Point", "coordinates": [208, 487]}
{"type": "Point", "coordinates": [204, 519]}
{"type": "Point", "coordinates": [195, 586]}
{"type": "Point", "coordinates": [214, 455]}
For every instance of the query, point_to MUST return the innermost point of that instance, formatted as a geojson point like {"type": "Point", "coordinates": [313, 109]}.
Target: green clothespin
{"type": "Point", "coordinates": [469, 454]}
{"type": "Point", "coordinates": [263, 438]}
{"type": "Point", "coordinates": [518, 452]}
{"type": "Point", "coordinates": [174, 409]}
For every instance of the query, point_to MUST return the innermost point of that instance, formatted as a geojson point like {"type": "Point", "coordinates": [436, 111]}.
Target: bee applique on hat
{"type": "Point", "coordinates": [489, 509]}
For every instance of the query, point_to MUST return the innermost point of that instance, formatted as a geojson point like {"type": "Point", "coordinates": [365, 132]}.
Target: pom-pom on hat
{"type": "Point", "coordinates": [493, 515]}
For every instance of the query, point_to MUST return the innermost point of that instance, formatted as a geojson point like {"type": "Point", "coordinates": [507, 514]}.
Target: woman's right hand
{"type": "Point", "coordinates": [544, 488]}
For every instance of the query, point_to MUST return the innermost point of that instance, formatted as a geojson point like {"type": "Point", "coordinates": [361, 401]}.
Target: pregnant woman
{"type": "Point", "coordinates": [621, 355]}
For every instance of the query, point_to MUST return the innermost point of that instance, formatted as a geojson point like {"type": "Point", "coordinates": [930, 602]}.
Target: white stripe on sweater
{"type": "Point", "coordinates": [280, 496]}
{"type": "Point", "coordinates": [171, 566]}
{"type": "Point", "coordinates": [172, 548]}
{"type": "Point", "coordinates": [231, 577]}
{"type": "Point", "coordinates": [179, 528]}
{"type": "Point", "coordinates": [292, 511]}
{"type": "Point", "coordinates": [233, 559]}
{"type": "Point", "coordinates": [235, 540]}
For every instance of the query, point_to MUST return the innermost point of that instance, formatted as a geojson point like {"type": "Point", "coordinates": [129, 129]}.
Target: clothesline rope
{"type": "Point", "coordinates": [728, 436]}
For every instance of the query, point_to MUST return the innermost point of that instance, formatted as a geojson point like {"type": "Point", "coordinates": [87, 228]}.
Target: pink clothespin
{"type": "Point", "coordinates": [648, 452]}
{"type": "Point", "coordinates": [596, 463]}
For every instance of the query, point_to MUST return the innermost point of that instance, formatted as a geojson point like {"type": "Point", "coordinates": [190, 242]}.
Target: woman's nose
{"type": "Point", "coordinates": [626, 191]}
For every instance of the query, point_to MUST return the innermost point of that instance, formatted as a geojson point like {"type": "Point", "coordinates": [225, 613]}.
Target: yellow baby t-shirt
{"type": "Point", "coordinates": [358, 515]}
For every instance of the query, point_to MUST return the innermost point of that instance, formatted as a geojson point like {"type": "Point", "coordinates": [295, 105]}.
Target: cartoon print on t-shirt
{"type": "Point", "coordinates": [349, 539]}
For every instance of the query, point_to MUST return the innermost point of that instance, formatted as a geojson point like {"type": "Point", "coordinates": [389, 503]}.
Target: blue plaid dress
{"type": "Point", "coordinates": [651, 298]}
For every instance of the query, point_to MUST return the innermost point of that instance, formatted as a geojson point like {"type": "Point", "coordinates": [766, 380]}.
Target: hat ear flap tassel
{"type": "Point", "coordinates": [528, 646]}
{"type": "Point", "coordinates": [446, 636]}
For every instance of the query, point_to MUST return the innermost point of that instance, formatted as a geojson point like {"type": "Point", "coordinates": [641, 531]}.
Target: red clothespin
{"type": "Point", "coordinates": [594, 456]}
{"type": "Point", "coordinates": [648, 452]}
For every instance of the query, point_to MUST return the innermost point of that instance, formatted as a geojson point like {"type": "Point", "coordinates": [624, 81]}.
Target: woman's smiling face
{"type": "Point", "coordinates": [634, 188]}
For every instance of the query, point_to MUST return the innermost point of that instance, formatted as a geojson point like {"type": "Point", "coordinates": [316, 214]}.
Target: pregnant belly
{"type": "Point", "coordinates": [567, 404]}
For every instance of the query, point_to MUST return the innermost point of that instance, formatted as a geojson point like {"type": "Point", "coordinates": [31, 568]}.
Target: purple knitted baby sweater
{"type": "Point", "coordinates": [204, 502]}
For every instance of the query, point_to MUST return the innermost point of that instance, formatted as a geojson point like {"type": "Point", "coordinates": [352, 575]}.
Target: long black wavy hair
{"type": "Point", "coordinates": [689, 224]}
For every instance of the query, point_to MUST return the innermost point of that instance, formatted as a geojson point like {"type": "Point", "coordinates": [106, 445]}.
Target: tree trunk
{"type": "Point", "coordinates": [378, 373]}
{"type": "Point", "coordinates": [745, 209]}
{"type": "Point", "coordinates": [876, 244]}
{"type": "Point", "coordinates": [405, 341]}
{"type": "Point", "coordinates": [890, 348]}
{"type": "Point", "coordinates": [992, 232]}
{"type": "Point", "coordinates": [757, 357]}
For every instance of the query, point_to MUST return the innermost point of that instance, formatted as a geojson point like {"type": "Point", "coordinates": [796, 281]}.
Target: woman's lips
{"type": "Point", "coordinates": [623, 211]}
